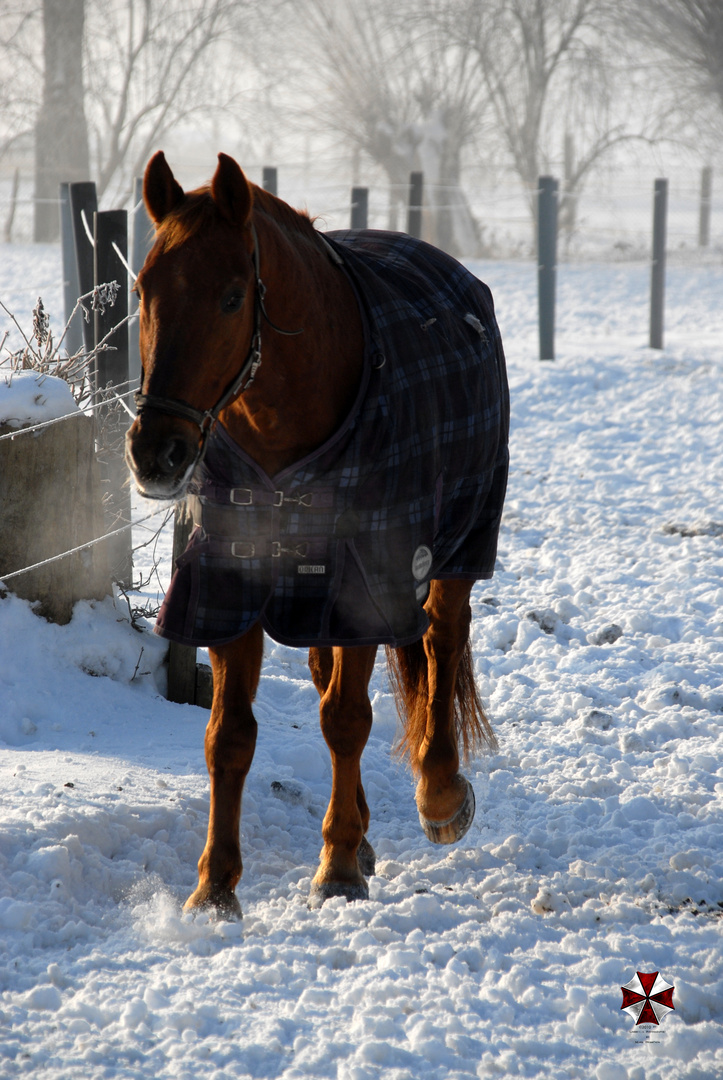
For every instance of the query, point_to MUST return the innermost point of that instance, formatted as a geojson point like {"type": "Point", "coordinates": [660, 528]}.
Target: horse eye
{"type": "Point", "coordinates": [232, 303]}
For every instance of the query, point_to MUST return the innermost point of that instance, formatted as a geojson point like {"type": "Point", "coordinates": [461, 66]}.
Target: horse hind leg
{"type": "Point", "coordinates": [437, 698]}
{"type": "Point", "coordinates": [342, 677]}
{"type": "Point", "coordinates": [229, 745]}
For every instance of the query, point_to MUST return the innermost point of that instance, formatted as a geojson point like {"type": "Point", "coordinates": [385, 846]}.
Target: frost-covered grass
{"type": "Point", "coordinates": [597, 847]}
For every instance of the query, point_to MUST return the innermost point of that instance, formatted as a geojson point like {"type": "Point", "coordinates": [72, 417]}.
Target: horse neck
{"type": "Point", "coordinates": [307, 383]}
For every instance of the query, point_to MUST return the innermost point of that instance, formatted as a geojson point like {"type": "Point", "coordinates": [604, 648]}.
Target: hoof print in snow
{"type": "Point", "coordinates": [321, 891]}
{"type": "Point", "coordinates": [547, 620]}
{"type": "Point", "coordinates": [608, 635]}
{"type": "Point", "coordinates": [599, 720]}
{"type": "Point", "coordinates": [703, 528]}
{"type": "Point", "coordinates": [287, 791]}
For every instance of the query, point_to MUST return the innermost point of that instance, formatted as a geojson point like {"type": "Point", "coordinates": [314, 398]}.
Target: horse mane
{"type": "Point", "coordinates": [281, 212]}
{"type": "Point", "coordinates": [198, 210]}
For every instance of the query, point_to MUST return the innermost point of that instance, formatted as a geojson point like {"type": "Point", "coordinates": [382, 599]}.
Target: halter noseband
{"type": "Point", "coordinates": [205, 419]}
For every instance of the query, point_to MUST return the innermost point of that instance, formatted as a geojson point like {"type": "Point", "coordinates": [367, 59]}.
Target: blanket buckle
{"type": "Point", "coordinates": [243, 549]}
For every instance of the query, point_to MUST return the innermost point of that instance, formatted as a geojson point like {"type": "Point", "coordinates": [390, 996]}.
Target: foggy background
{"type": "Point", "coordinates": [483, 97]}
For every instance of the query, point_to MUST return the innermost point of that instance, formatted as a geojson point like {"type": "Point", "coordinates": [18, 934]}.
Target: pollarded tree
{"type": "Point", "coordinates": [548, 68]}
{"type": "Point", "coordinates": [402, 95]}
{"type": "Point", "coordinates": [689, 35]}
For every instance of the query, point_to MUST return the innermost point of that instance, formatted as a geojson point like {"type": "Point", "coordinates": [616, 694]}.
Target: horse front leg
{"type": "Point", "coordinates": [229, 745]}
{"type": "Point", "coordinates": [341, 676]}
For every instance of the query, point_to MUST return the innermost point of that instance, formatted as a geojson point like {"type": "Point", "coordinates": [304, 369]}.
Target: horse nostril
{"type": "Point", "coordinates": [172, 456]}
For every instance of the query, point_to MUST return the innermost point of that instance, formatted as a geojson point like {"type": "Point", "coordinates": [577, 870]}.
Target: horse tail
{"type": "Point", "coordinates": [408, 675]}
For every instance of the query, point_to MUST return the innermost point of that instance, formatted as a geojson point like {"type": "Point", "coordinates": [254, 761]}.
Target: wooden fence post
{"type": "Point", "coordinates": [359, 207]}
{"type": "Point", "coordinates": [141, 242]}
{"type": "Point", "coordinates": [84, 203]}
{"type": "Point", "coordinates": [111, 369]}
{"type": "Point", "coordinates": [657, 277]}
{"type": "Point", "coordinates": [51, 498]}
{"type": "Point", "coordinates": [71, 286]}
{"type": "Point", "coordinates": [414, 210]}
{"type": "Point", "coordinates": [270, 179]}
{"type": "Point", "coordinates": [547, 196]}
{"type": "Point", "coordinates": [706, 191]}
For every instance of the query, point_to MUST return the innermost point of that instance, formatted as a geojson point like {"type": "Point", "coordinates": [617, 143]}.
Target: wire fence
{"type": "Point", "coordinates": [612, 220]}
{"type": "Point", "coordinates": [612, 216]}
{"type": "Point", "coordinates": [87, 545]}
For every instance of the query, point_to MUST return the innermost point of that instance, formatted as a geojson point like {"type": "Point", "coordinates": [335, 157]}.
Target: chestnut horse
{"type": "Point", "coordinates": [233, 268]}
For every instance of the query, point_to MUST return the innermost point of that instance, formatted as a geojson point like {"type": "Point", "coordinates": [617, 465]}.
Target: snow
{"type": "Point", "coordinates": [29, 398]}
{"type": "Point", "coordinates": [596, 851]}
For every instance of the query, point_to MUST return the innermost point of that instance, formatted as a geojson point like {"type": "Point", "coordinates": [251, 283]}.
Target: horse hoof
{"type": "Point", "coordinates": [366, 858]}
{"type": "Point", "coordinates": [321, 891]}
{"type": "Point", "coordinates": [454, 828]}
{"type": "Point", "coordinates": [223, 904]}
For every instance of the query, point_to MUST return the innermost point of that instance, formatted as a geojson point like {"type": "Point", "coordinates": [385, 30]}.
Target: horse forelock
{"type": "Point", "coordinates": [195, 211]}
{"type": "Point", "coordinates": [198, 211]}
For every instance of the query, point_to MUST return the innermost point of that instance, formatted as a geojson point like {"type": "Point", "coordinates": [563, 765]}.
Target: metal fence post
{"type": "Point", "coordinates": [71, 286]}
{"type": "Point", "coordinates": [111, 369]}
{"type": "Point", "coordinates": [414, 211]}
{"type": "Point", "coordinates": [657, 277]}
{"type": "Point", "coordinates": [270, 179]}
{"type": "Point", "coordinates": [547, 200]}
{"type": "Point", "coordinates": [83, 205]}
{"type": "Point", "coordinates": [359, 207]}
{"type": "Point", "coordinates": [706, 192]}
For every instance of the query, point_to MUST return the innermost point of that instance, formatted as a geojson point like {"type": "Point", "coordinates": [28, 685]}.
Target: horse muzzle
{"type": "Point", "coordinates": [161, 454]}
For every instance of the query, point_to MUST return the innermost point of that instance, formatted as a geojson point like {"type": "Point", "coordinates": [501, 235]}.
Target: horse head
{"type": "Point", "coordinates": [198, 296]}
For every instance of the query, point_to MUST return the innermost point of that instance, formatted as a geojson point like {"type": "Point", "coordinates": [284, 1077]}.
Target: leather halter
{"type": "Point", "coordinates": [205, 419]}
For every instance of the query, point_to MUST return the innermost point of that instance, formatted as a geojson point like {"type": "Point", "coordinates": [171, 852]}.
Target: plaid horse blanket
{"type": "Point", "coordinates": [339, 548]}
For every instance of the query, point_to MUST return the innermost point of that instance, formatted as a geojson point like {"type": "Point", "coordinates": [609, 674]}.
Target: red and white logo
{"type": "Point", "coordinates": [647, 997]}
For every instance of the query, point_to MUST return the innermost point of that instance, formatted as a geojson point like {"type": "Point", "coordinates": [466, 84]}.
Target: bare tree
{"type": "Point", "coordinates": [689, 36]}
{"type": "Point", "coordinates": [150, 65]}
{"type": "Point", "coordinates": [21, 70]}
{"type": "Point", "coordinates": [401, 94]}
{"type": "Point", "coordinates": [146, 67]}
{"type": "Point", "coordinates": [548, 69]}
{"type": "Point", "coordinates": [61, 134]}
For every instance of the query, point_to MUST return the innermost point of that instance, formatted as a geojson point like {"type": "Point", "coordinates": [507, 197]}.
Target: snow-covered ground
{"type": "Point", "coordinates": [597, 850]}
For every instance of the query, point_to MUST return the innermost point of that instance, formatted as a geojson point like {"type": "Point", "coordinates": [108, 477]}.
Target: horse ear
{"type": "Point", "coordinates": [161, 191]}
{"type": "Point", "coordinates": [231, 191]}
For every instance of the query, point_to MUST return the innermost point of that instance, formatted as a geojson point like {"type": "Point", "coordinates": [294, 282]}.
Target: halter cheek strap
{"type": "Point", "coordinates": [205, 419]}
